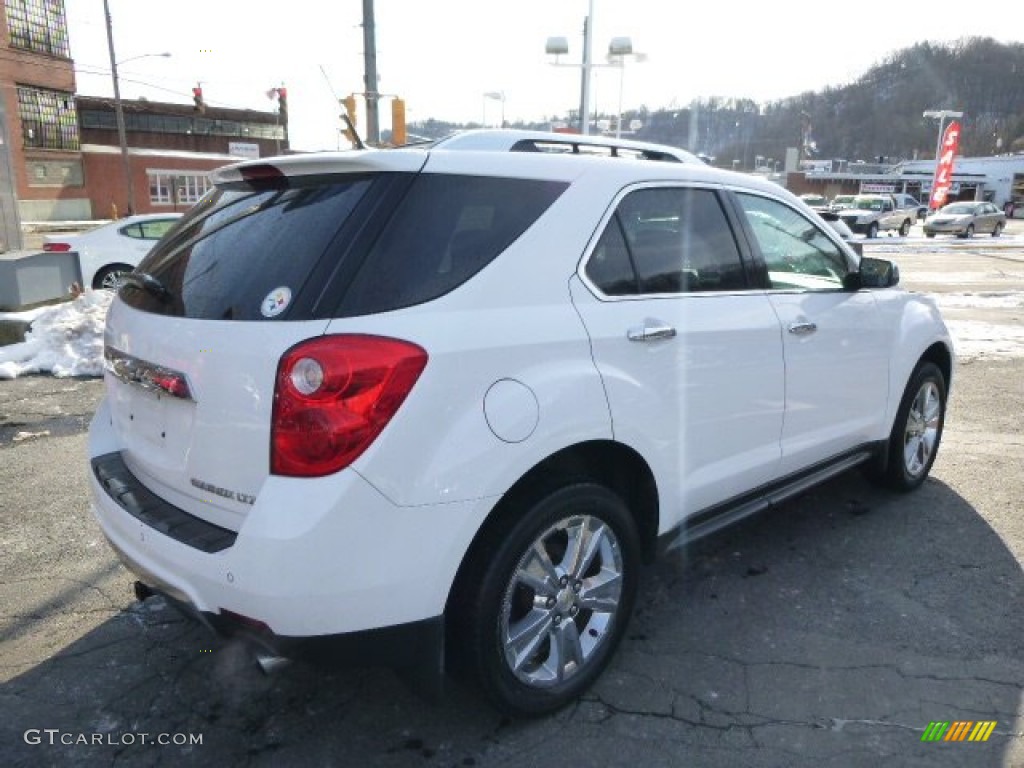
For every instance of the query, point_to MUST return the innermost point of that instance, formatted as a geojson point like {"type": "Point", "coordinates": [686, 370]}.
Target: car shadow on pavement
{"type": "Point", "coordinates": [829, 631]}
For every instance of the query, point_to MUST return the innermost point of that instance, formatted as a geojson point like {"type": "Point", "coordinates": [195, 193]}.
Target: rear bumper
{"type": "Point", "coordinates": [945, 229]}
{"type": "Point", "coordinates": [314, 560]}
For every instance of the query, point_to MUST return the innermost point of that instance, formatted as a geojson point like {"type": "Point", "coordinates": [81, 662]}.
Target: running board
{"type": "Point", "coordinates": [725, 514]}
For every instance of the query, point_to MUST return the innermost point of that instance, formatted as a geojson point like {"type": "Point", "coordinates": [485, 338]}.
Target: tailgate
{"type": "Point", "coordinates": [204, 449]}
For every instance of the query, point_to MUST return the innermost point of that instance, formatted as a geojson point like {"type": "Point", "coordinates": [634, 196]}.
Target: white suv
{"type": "Point", "coordinates": [437, 407]}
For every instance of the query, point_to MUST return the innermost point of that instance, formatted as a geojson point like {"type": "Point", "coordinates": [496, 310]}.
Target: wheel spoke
{"type": "Point", "coordinates": [566, 651]}
{"type": "Point", "coordinates": [601, 593]}
{"type": "Point", "coordinates": [910, 454]}
{"type": "Point", "coordinates": [932, 409]}
{"type": "Point", "coordinates": [538, 572]}
{"type": "Point", "coordinates": [525, 636]}
{"type": "Point", "coordinates": [584, 544]}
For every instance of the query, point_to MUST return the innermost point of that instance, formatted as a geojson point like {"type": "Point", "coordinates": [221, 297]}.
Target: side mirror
{"type": "Point", "coordinates": [873, 273]}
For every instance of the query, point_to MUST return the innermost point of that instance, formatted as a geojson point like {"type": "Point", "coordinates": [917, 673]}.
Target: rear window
{"type": "Point", "coordinates": [335, 246]}
{"type": "Point", "coordinates": [239, 249]}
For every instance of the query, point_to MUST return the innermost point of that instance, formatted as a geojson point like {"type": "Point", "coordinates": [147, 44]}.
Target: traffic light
{"type": "Point", "coordinates": [349, 102]}
{"type": "Point", "coordinates": [282, 104]}
{"type": "Point", "coordinates": [197, 98]}
{"type": "Point", "coordinates": [398, 134]}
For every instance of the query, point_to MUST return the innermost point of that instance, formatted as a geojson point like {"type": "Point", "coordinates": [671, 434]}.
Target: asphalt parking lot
{"type": "Point", "coordinates": [831, 631]}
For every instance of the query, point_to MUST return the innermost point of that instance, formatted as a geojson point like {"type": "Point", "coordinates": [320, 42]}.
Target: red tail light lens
{"type": "Point", "coordinates": [56, 247]}
{"type": "Point", "coordinates": [333, 396]}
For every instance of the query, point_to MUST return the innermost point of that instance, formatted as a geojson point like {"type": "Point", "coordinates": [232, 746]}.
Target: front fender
{"type": "Point", "coordinates": [919, 327]}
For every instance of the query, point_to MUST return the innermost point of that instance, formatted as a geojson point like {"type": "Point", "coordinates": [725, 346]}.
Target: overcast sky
{"type": "Point", "coordinates": [442, 56]}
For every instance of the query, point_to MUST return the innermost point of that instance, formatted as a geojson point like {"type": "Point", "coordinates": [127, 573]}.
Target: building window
{"type": "Point", "coordinates": [38, 25]}
{"type": "Point", "coordinates": [181, 124]}
{"type": "Point", "coordinates": [48, 119]}
{"type": "Point", "coordinates": [174, 187]}
{"type": "Point", "coordinates": [54, 173]}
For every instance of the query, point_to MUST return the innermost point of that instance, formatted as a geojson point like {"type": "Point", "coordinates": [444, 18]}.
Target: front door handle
{"type": "Point", "coordinates": [651, 333]}
{"type": "Point", "coordinates": [803, 329]}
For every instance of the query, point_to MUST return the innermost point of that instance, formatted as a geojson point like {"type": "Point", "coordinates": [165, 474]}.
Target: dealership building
{"type": "Point", "coordinates": [998, 179]}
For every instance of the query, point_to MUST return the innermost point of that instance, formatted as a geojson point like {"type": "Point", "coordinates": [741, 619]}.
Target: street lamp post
{"type": "Point", "coordinates": [119, 107]}
{"type": "Point", "coordinates": [942, 114]}
{"type": "Point", "coordinates": [119, 111]}
{"type": "Point", "coordinates": [495, 96]}
{"type": "Point", "coordinates": [618, 48]}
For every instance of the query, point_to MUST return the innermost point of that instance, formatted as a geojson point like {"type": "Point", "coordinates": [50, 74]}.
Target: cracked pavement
{"type": "Point", "coordinates": [828, 632]}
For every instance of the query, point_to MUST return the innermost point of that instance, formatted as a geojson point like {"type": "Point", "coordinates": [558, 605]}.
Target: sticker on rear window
{"type": "Point", "coordinates": [277, 301]}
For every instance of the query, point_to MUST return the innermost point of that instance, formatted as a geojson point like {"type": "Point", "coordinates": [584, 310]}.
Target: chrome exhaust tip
{"type": "Point", "coordinates": [270, 663]}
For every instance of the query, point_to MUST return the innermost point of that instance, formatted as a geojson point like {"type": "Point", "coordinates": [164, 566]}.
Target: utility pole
{"type": "Point", "coordinates": [370, 75]}
{"type": "Point", "coordinates": [119, 112]}
{"type": "Point", "coordinates": [10, 222]}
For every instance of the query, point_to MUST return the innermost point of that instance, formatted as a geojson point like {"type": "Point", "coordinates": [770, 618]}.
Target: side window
{"type": "Point", "coordinates": [799, 256]}
{"type": "Point", "coordinates": [610, 267]}
{"type": "Point", "coordinates": [154, 230]}
{"type": "Point", "coordinates": [446, 229]}
{"type": "Point", "coordinates": [132, 230]}
{"type": "Point", "coordinates": [668, 241]}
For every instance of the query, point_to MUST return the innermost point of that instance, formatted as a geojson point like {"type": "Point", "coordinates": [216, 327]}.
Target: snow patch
{"type": "Point", "coordinates": [65, 340]}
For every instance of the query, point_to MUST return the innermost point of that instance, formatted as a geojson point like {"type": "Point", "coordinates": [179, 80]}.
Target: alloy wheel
{"type": "Point", "coordinates": [922, 428]}
{"type": "Point", "coordinates": [561, 601]}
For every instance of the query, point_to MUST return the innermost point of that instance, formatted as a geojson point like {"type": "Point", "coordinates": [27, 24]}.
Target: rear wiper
{"type": "Point", "coordinates": [148, 283]}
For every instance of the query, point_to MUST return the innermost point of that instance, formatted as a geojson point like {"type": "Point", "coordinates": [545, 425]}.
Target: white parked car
{"type": "Point", "coordinates": [438, 407]}
{"type": "Point", "coordinates": [110, 250]}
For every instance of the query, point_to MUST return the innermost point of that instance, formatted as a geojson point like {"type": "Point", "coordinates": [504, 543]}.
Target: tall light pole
{"type": "Point", "coordinates": [588, 36]}
{"type": "Point", "coordinates": [618, 49]}
{"type": "Point", "coordinates": [119, 111]}
{"type": "Point", "coordinates": [370, 91]}
{"type": "Point", "coordinates": [119, 107]}
{"type": "Point", "coordinates": [557, 46]}
{"type": "Point", "coordinates": [942, 114]}
{"type": "Point", "coordinates": [495, 96]}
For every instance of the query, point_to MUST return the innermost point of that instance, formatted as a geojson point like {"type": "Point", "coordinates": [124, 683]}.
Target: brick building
{"type": "Point", "coordinates": [40, 159]}
{"type": "Point", "coordinates": [171, 147]}
{"type": "Point", "coordinates": [60, 155]}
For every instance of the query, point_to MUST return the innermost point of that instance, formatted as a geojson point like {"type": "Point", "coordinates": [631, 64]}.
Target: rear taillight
{"type": "Point", "coordinates": [333, 396]}
{"type": "Point", "coordinates": [56, 247]}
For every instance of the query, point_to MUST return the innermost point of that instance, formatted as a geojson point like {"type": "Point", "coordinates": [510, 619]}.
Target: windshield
{"type": "Point", "coordinates": [959, 209]}
{"type": "Point", "coordinates": [867, 204]}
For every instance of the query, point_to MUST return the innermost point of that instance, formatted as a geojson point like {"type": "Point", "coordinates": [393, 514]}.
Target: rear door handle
{"type": "Point", "coordinates": [651, 333]}
{"type": "Point", "coordinates": [803, 329]}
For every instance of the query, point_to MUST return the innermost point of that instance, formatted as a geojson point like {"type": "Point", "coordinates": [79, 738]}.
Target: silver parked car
{"type": "Point", "coordinates": [964, 219]}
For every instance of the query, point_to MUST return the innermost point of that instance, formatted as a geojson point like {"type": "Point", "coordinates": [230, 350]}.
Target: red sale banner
{"type": "Point", "coordinates": [944, 167]}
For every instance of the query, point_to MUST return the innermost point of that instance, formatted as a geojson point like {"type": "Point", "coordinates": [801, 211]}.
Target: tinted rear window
{"type": "Point", "coordinates": [235, 249]}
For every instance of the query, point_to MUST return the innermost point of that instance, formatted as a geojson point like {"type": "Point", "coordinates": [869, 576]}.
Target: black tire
{"type": "Point", "coordinates": [969, 233]}
{"type": "Point", "coordinates": [998, 230]}
{"type": "Point", "coordinates": [917, 430]}
{"type": "Point", "coordinates": [107, 278]}
{"type": "Point", "coordinates": [929, 234]}
{"type": "Point", "coordinates": [905, 228]}
{"type": "Point", "coordinates": [873, 230]}
{"type": "Point", "coordinates": [553, 613]}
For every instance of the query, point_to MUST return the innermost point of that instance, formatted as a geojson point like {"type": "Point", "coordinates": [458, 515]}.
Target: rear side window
{"type": "Point", "coordinates": [446, 229]}
{"type": "Point", "coordinates": [149, 230]}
